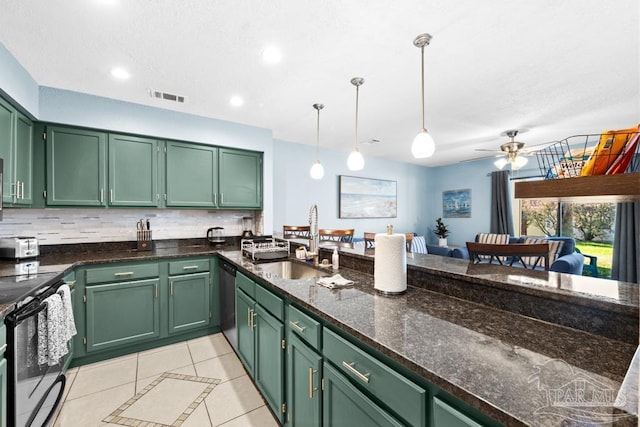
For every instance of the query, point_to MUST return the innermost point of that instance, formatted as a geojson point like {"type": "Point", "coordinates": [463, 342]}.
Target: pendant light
{"type": "Point", "coordinates": [355, 162]}
{"type": "Point", "coordinates": [317, 171]}
{"type": "Point", "coordinates": [423, 144]}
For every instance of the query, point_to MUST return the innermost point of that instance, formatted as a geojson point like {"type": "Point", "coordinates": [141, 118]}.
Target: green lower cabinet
{"type": "Point", "coordinates": [345, 405]}
{"type": "Point", "coordinates": [444, 415]}
{"type": "Point", "coordinates": [244, 321]}
{"type": "Point", "coordinates": [269, 359]}
{"type": "Point", "coordinates": [304, 378]}
{"type": "Point", "coordinates": [3, 377]}
{"type": "Point", "coordinates": [189, 302]}
{"type": "Point", "coordinates": [3, 392]}
{"type": "Point", "coordinates": [122, 313]}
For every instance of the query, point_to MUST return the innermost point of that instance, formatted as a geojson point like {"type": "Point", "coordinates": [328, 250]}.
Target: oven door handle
{"type": "Point", "coordinates": [19, 316]}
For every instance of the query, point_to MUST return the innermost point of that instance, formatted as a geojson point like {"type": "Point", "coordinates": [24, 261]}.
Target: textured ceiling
{"type": "Point", "coordinates": [553, 68]}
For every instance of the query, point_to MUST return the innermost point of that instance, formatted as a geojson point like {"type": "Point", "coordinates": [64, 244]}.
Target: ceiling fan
{"type": "Point", "coordinates": [511, 153]}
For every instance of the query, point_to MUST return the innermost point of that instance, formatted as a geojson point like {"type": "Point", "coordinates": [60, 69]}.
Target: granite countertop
{"type": "Point", "coordinates": [508, 366]}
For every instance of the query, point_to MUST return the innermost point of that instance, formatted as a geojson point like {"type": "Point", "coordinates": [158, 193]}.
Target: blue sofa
{"type": "Point", "coordinates": [568, 260]}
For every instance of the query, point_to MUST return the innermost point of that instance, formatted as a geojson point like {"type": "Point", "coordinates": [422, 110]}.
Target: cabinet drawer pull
{"type": "Point", "coordinates": [190, 267]}
{"type": "Point", "coordinates": [311, 388]}
{"type": "Point", "coordinates": [354, 371]}
{"type": "Point", "coordinates": [298, 327]}
{"type": "Point", "coordinates": [124, 273]}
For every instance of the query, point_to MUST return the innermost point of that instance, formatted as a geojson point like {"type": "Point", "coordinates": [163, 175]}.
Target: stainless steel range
{"type": "Point", "coordinates": [33, 390]}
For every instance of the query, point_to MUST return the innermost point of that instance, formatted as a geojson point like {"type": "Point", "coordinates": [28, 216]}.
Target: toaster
{"type": "Point", "coordinates": [19, 247]}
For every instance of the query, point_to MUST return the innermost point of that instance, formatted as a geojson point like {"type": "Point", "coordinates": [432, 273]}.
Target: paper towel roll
{"type": "Point", "coordinates": [390, 265]}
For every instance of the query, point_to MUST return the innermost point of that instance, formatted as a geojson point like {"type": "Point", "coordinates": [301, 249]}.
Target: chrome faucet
{"type": "Point", "coordinates": [314, 238]}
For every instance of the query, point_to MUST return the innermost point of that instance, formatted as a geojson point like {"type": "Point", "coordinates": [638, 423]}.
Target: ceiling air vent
{"type": "Point", "coordinates": [166, 96]}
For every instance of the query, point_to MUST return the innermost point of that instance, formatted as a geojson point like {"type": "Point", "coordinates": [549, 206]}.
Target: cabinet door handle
{"type": "Point", "coordinates": [311, 388]}
{"type": "Point", "coordinates": [253, 319]}
{"type": "Point", "coordinates": [21, 189]}
{"type": "Point", "coordinates": [156, 290]}
{"type": "Point", "coordinates": [297, 326]}
{"type": "Point", "coordinates": [17, 186]}
{"type": "Point", "coordinates": [124, 273]}
{"type": "Point", "coordinates": [111, 195]}
{"type": "Point", "coordinates": [101, 195]}
{"type": "Point", "coordinates": [215, 198]}
{"type": "Point", "coordinates": [222, 198]}
{"type": "Point", "coordinates": [351, 367]}
{"type": "Point", "coordinates": [249, 317]}
{"type": "Point", "coordinates": [190, 267]}
{"type": "Point", "coordinates": [171, 283]}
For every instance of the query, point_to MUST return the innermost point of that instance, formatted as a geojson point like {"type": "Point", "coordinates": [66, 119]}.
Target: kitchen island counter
{"type": "Point", "coordinates": [508, 366]}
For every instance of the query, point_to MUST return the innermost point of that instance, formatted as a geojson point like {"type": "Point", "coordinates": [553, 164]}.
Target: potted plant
{"type": "Point", "coordinates": [441, 231]}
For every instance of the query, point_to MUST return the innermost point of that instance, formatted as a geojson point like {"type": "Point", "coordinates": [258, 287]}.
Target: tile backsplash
{"type": "Point", "coordinates": [61, 226]}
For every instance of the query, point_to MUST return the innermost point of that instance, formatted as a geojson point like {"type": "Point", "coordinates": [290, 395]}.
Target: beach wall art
{"type": "Point", "coordinates": [367, 198]}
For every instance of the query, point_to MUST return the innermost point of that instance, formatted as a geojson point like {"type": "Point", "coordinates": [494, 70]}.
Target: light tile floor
{"type": "Point", "coordinates": [197, 383]}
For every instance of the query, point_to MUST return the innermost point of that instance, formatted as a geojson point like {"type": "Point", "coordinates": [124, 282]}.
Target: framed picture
{"type": "Point", "coordinates": [456, 204]}
{"type": "Point", "coordinates": [367, 198]}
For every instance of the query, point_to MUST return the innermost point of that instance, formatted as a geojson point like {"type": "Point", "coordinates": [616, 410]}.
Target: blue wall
{"type": "Point", "coordinates": [472, 175]}
{"type": "Point", "coordinates": [296, 191]}
{"type": "Point", "coordinates": [17, 84]}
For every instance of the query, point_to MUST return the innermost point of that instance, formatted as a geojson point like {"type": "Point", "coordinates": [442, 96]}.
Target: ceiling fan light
{"type": "Point", "coordinates": [355, 161]}
{"type": "Point", "coordinates": [423, 145]}
{"type": "Point", "coordinates": [519, 162]}
{"type": "Point", "coordinates": [317, 170]}
{"type": "Point", "coordinates": [501, 163]}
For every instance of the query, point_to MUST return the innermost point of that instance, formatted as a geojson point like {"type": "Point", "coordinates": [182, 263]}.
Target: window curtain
{"type": "Point", "coordinates": [501, 216]}
{"type": "Point", "coordinates": [626, 243]}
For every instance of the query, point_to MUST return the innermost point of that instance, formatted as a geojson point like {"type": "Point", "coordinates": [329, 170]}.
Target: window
{"type": "Point", "coordinates": [591, 224]}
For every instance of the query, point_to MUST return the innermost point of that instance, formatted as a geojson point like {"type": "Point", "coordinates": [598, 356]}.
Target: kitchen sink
{"type": "Point", "coordinates": [288, 270]}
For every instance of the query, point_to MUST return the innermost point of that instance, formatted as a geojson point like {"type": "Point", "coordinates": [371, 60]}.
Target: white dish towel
{"type": "Point", "coordinates": [51, 343]}
{"type": "Point", "coordinates": [69, 323]}
{"type": "Point", "coordinates": [335, 281]}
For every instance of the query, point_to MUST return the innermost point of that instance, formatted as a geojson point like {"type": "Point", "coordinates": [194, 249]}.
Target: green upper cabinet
{"type": "Point", "coordinates": [16, 150]}
{"type": "Point", "coordinates": [191, 172]}
{"type": "Point", "coordinates": [240, 178]}
{"type": "Point", "coordinates": [133, 171]}
{"type": "Point", "coordinates": [7, 119]}
{"type": "Point", "coordinates": [24, 161]}
{"type": "Point", "coordinates": [75, 167]}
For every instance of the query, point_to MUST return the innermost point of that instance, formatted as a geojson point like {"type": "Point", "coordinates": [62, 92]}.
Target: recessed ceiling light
{"type": "Point", "coordinates": [120, 73]}
{"type": "Point", "coordinates": [272, 55]}
{"type": "Point", "coordinates": [236, 101]}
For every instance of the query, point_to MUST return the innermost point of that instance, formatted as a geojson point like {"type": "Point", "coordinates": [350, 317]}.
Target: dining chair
{"type": "Point", "coordinates": [510, 253]}
{"type": "Point", "coordinates": [345, 235]}
{"type": "Point", "coordinates": [296, 231]}
{"type": "Point", "coordinates": [370, 240]}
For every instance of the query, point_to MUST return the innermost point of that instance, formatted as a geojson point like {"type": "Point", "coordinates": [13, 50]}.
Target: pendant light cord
{"type": "Point", "coordinates": [318, 138]}
{"type": "Point", "coordinates": [422, 77]}
{"type": "Point", "coordinates": [355, 145]}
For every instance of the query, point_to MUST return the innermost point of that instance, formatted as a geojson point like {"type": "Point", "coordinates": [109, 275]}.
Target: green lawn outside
{"type": "Point", "coordinates": [604, 252]}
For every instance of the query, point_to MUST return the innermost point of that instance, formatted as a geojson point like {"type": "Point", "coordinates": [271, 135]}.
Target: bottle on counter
{"type": "Point", "coordinates": [335, 262]}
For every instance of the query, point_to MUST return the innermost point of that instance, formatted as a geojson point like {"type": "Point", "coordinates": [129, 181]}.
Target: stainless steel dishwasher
{"type": "Point", "coordinates": [227, 275]}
